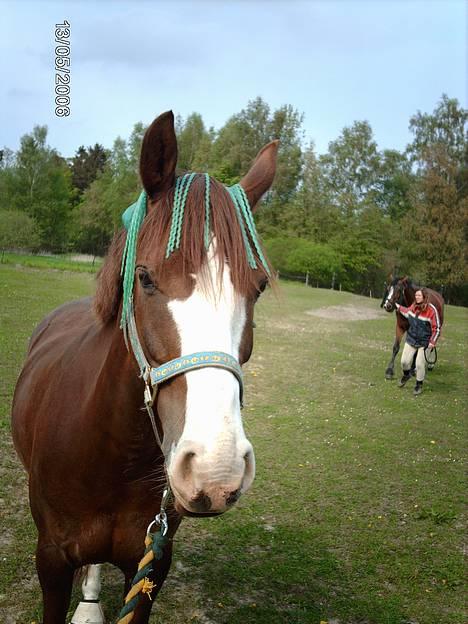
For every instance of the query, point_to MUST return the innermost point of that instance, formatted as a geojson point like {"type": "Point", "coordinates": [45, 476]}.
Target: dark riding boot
{"type": "Point", "coordinates": [418, 388]}
{"type": "Point", "coordinates": [404, 379]}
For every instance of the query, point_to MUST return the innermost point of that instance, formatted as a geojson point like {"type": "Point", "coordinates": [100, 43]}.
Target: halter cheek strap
{"type": "Point", "coordinates": [153, 377]}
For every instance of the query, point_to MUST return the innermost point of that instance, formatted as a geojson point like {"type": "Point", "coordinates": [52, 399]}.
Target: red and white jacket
{"type": "Point", "coordinates": [424, 327]}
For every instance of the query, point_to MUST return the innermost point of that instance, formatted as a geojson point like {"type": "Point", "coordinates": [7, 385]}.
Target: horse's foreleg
{"type": "Point", "coordinates": [158, 576]}
{"type": "Point", "coordinates": [56, 579]}
{"type": "Point", "coordinates": [389, 372]}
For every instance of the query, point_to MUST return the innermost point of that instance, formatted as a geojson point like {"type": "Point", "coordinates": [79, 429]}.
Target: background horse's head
{"type": "Point", "coordinates": [200, 297]}
{"type": "Point", "coordinates": [395, 293]}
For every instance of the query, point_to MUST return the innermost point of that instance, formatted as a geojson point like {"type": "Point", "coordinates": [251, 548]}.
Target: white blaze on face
{"type": "Point", "coordinates": [390, 295]}
{"type": "Point", "coordinates": [212, 318]}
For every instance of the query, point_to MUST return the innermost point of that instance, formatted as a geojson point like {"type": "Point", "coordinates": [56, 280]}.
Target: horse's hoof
{"type": "Point", "coordinates": [388, 374]}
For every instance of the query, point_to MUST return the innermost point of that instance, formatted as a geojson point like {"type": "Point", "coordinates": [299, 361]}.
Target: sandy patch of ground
{"type": "Point", "coordinates": [348, 312]}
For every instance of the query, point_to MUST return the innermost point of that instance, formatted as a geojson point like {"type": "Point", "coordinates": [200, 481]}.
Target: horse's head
{"type": "Point", "coordinates": [394, 293]}
{"type": "Point", "coordinates": [198, 298]}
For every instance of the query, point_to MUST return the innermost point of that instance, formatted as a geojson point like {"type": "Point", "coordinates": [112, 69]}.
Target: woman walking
{"type": "Point", "coordinates": [423, 332]}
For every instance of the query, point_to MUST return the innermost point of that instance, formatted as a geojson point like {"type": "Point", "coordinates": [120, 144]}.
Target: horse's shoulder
{"type": "Point", "coordinates": [69, 319]}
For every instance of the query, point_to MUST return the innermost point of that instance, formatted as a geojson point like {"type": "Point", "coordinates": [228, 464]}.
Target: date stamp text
{"type": "Point", "coordinates": [62, 69]}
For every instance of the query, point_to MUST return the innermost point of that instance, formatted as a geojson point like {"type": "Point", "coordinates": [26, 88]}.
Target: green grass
{"type": "Point", "coordinates": [59, 263]}
{"type": "Point", "coordinates": [356, 513]}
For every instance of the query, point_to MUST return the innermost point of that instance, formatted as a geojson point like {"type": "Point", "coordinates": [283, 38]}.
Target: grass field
{"type": "Point", "coordinates": [59, 263]}
{"type": "Point", "coordinates": [356, 513]}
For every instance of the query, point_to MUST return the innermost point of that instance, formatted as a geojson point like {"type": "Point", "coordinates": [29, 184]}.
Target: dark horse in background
{"type": "Point", "coordinates": [401, 290]}
{"type": "Point", "coordinates": [96, 474]}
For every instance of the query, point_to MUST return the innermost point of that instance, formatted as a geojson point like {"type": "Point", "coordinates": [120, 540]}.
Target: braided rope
{"type": "Point", "coordinates": [180, 197]}
{"type": "Point", "coordinates": [141, 584]}
{"type": "Point", "coordinates": [207, 211]}
{"type": "Point", "coordinates": [182, 207]}
{"type": "Point", "coordinates": [134, 216]}
{"type": "Point", "coordinates": [175, 214]}
{"type": "Point", "coordinates": [241, 199]}
{"type": "Point", "coordinates": [248, 248]}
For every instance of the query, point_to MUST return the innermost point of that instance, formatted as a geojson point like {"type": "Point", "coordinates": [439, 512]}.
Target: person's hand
{"type": "Point", "coordinates": [431, 346]}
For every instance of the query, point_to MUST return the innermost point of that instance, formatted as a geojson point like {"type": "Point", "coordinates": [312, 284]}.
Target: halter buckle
{"type": "Point", "coordinates": [148, 396]}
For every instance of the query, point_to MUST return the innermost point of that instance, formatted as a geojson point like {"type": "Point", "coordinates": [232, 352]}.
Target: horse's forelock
{"type": "Point", "coordinates": [224, 227]}
{"type": "Point", "coordinates": [154, 234]}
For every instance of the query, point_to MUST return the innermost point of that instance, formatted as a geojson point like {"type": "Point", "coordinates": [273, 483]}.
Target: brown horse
{"type": "Point", "coordinates": [96, 474]}
{"type": "Point", "coordinates": [401, 290]}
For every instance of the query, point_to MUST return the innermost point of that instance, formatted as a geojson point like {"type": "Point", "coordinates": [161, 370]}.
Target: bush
{"type": "Point", "coordinates": [18, 231]}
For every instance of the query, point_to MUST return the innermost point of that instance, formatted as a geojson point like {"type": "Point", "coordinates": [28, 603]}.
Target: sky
{"type": "Point", "coordinates": [333, 61]}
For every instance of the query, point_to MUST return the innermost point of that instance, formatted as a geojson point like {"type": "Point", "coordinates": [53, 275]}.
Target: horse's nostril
{"type": "Point", "coordinates": [186, 464]}
{"type": "Point", "coordinates": [201, 502]}
{"type": "Point", "coordinates": [233, 497]}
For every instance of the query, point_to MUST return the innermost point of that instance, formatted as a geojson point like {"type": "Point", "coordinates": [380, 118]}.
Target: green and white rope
{"type": "Point", "coordinates": [239, 197]}
{"type": "Point", "coordinates": [207, 211]}
{"type": "Point", "coordinates": [132, 218]}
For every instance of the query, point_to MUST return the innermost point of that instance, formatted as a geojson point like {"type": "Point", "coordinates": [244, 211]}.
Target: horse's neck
{"type": "Point", "coordinates": [119, 393]}
{"type": "Point", "coordinates": [119, 396]}
{"type": "Point", "coordinates": [408, 295]}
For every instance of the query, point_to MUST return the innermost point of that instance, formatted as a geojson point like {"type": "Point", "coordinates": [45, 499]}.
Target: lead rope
{"type": "Point", "coordinates": [154, 545]}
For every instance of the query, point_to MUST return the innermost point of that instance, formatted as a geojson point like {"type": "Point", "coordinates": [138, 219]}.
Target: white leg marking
{"type": "Point", "coordinates": [90, 612]}
{"type": "Point", "coordinates": [91, 586]}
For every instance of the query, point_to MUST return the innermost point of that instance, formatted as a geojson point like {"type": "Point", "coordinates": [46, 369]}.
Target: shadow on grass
{"type": "Point", "coordinates": [246, 574]}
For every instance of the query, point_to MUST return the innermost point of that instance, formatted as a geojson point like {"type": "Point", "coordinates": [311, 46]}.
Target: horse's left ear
{"type": "Point", "coordinates": [261, 174]}
{"type": "Point", "coordinates": [158, 157]}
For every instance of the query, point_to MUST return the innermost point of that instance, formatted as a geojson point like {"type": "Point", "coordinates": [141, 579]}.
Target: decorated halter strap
{"type": "Point", "coordinates": [134, 215]}
{"type": "Point", "coordinates": [194, 361]}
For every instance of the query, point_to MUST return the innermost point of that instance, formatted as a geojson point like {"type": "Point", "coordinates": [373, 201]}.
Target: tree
{"type": "Point", "coordinates": [194, 144]}
{"type": "Point", "coordinates": [99, 213]}
{"type": "Point", "coordinates": [42, 188]}
{"type": "Point", "coordinates": [393, 184]}
{"type": "Point", "coordinates": [436, 229]}
{"type": "Point", "coordinates": [86, 164]}
{"type": "Point", "coordinates": [445, 126]}
{"type": "Point", "coordinates": [18, 231]}
{"type": "Point", "coordinates": [242, 137]}
{"type": "Point", "coordinates": [321, 261]}
{"type": "Point", "coordinates": [311, 213]}
{"type": "Point", "coordinates": [352, 167]}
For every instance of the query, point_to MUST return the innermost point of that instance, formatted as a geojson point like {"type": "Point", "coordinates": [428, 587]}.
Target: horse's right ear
{"type": "Point", "coordinates": [261, 174]}
{"type": "Point", "coordinates": [158, 157]}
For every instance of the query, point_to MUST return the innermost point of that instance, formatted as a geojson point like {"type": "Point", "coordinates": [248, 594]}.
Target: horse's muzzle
{"type": "Point", "coordinates": [205, 483]}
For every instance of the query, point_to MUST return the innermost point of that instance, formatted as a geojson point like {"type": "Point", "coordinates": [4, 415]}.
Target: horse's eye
{"type": "Point", "coordinates": [261, 287]}
{"type": "Point", "coordinates": [146, 281]}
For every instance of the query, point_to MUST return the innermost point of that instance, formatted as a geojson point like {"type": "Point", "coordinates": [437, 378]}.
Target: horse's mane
{"type": "Point", "coordinates": [153, 238]}
{"type": "Point", "coordinates": [408, 281]}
